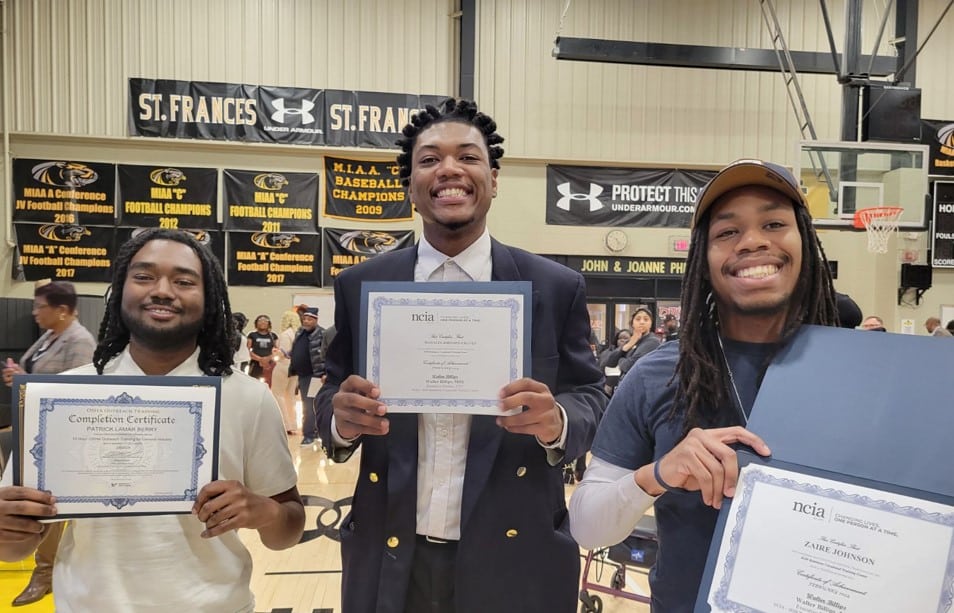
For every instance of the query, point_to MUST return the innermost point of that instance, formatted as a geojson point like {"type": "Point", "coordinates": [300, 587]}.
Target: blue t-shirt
{"type": "Point", "coordinates": [637, 430]}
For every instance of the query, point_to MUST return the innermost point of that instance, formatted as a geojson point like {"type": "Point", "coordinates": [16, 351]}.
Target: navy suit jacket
{"type": "Point", "coordinates": [515, 552]}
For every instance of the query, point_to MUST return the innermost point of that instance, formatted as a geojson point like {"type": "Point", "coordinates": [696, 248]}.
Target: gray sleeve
{"type": "Point", "coordinates": [606, 505]}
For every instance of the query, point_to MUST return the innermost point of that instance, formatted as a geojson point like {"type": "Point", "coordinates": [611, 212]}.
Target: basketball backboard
{"type": "Point", "coordinates": [841, 177]}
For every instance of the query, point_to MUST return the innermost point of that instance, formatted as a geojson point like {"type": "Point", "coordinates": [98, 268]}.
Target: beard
{"type": "Point", "coordinates": [154, 337]}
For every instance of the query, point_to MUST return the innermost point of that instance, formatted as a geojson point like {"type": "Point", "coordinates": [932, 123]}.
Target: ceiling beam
{"type": "Point", "coordinates": [699, 56]}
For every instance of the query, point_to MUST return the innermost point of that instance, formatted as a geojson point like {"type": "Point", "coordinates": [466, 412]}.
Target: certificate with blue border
{"type": "Point", "coordinates": [445, 347]}
{"type": "Point", "coordinates": [113, 445]}
{"type": "Point", "coordinates": [802, 540]}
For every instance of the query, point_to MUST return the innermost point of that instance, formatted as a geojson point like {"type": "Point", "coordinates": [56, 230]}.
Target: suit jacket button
{"type": "Point", "coordinates": [393, 542]}
{"type": "Point", "coordinates": [511, 533]}
{"type": "Point", "coordinates": [373, 477]}
{"type": "Point", "coordinates": [521, 471]}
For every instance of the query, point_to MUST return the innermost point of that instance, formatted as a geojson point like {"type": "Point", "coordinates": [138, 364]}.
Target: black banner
{"type": "Point", "coordinates": [257, 113]}
{"type": "Point", "coordinates": [942, 244]}
{"type": "Point", "coordinates": [265, 259]}
{"type": "Point", "coordinates": [939, 135]}
{"type": "Point", "coordinates": [167, 197]}
{"type": "Point", "coordinates": [64, 192]}
{"type": "Point", "coordinates": [599, 196]}
{"type": "Point", "coordinates": [364, 190]}
{"type": "Point", "coordinates": [66, 252]}
{"type": "Point", "coordinates": [213, 239]}
{"type": "Point", "coordinates": [344, 248]}
{"type": "Point", "coordinates": [270, 201]}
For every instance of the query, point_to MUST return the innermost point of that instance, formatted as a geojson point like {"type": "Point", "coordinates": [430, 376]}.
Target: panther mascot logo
{"type": "Point", "coordinates": [271, 181]}
{"type": "Point", "coordinates": [63, 233]}
{"type": "Point", "coordinates": [271, 240]}
{"type": "Point", "coordinates": [64, 174]}
{"type": "Point", "coordinates": [167, 177]}
{"type": "Point", "coordinates": [368, 242]}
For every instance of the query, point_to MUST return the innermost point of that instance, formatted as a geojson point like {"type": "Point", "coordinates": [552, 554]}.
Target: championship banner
{"type": "Point", "coordinates": [65, 252]}
{"type": "Point", "coordinates": [634, 197]}
{"type": "Point", "coordinates": [256, 113]}
{"type": "Point", "coordinates": [213, 239]}
{"type": "Point", "coordinates": [942, 244]}
{"type": "Point", "coordinates": [64, 192]}
{"type": "Point", "coordinates": [364, 190]}
{"type": "Point", "coordinates": [265, 259]}
{"type": "Point", "coordinates": [940, 137]}
{"type": "Point", "coordinates": [344, 248]}
{"type": "Point", "coordinates": [270, 201]}
{"type": "Point", "coordinates": [167, 196]}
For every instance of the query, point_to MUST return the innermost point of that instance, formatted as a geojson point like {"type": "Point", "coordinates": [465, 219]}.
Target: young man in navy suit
{"type": "Point", "coordinates": [458, 513]}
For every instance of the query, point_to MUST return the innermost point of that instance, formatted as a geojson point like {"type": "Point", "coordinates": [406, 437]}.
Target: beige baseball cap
{"type": "Point", "coordinates": [742, 173]}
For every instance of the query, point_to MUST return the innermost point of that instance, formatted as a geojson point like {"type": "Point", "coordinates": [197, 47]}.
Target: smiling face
{"type": "Point", "coordinates": [163, 302]}
{"type": "Point", "coordinates": [755, 257]}
{"type": "Point", "coordinates": [452, 184]}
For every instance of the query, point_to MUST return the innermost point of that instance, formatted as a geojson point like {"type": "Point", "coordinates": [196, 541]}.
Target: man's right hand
{"type": "Point", "coordinates": [20, 511]}
{"type": "Point", "coordinates": [703, 461]}
{"type": "Point", "coordinates": [357, 410]}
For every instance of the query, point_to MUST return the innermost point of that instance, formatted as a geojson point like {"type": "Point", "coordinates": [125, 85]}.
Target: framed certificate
{"type": "Point", "coordinates": [801, 540]}
{"type": "Point", "coordinates": [445, 347]}
{"type": "Point", "coordinates": [113, 445]}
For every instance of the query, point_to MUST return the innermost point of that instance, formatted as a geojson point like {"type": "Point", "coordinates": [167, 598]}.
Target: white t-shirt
{"type": "Point", "coordinates": [160, 563]}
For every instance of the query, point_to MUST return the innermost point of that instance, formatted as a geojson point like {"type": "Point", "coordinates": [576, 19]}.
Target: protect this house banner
{"type": "Point", "coordinates": [634, 197]}
{"type": "Point", "coordinates": [365, 190]}
{"type": "Point", "coordinates": [167, 196]}
{"type": "Point", "coordinates": [268, 201]}
{"type": "Point", "coordinates": [344, 248]}
{"type": "Point", "coordinates": [64, 192]}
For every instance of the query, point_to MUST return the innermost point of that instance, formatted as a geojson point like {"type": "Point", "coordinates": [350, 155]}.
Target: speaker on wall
{"type": "Point", "coordinates": [891, 113]}
{"type": "Point", "coordinates": [918, 276]}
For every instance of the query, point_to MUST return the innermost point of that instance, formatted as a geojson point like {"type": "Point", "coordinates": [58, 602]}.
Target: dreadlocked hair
{"type": "Point", "coordinates": [461, 111]}
{"type": "Point", "coordinates": [217, 333]}
{"type": "Point", "coordinates": [703, 376]}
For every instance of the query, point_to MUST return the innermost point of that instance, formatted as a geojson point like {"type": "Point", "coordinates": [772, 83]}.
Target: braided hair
{"type": "Point", "coordinates": [217, 333]}
{"type": "Point", "coordinates": [460, 111]}
{"type": "Point", "coordinates": [703, 376]}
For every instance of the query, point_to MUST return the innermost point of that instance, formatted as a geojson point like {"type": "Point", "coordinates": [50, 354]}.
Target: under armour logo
{"type": "Point", "coordinates": [564, 202]}
{"type": "Point", "coordinates": [304, 112]}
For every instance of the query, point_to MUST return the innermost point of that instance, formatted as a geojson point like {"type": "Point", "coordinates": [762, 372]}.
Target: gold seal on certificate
{"type": "Point", "coordinates": [116, 445]}
{"type": "Point", "coordinates": [445, 347]}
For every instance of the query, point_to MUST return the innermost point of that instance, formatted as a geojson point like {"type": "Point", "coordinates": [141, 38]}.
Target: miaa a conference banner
{"type": "Point", "coordinates": [345, 248]}
{"type": "Point", "coordinates": [634, 197]}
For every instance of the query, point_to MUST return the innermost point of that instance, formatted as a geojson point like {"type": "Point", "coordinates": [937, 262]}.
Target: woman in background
{"type": "Point", "coordinates": [643, 341]}
{"type": "Point", "coordinates": [285, 387]}
{"type": "Point", "coordinates": [65, 344]}
{"type": "Point", "coordinates": [261, 342]}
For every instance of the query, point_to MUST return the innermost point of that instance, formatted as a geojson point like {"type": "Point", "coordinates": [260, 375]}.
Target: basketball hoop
{"type": "Point", "coordinates": [880, 222]}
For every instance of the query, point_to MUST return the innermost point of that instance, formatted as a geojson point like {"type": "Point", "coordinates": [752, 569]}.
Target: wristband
{"type": "Point", "coordinates": [662, 483]}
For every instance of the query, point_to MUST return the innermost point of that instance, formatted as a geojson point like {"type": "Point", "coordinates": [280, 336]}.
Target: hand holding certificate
{"type": "Point", "coordinates": [111, 445]}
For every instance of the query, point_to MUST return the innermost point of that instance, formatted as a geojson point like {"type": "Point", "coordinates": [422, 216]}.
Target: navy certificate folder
{"type": "Point", "coordinates": [863, 407]}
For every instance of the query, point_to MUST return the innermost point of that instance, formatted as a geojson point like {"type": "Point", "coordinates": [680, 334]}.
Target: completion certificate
{"type": "Point", "coordinates": [800, 543]}
{"type": "Point", "coordinates": [445, 347]}
{"type": "Point", "coordinates": [108, 446]}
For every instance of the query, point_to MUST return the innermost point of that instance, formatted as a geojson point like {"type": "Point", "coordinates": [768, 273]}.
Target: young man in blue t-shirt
{"type": "Point", "coordinates": [755, 273]}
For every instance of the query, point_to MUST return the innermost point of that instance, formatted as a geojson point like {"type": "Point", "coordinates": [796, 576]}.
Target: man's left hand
{"type": "Point", "coordinates": [541, 418]}
{"type": "Point", "coordinates": [229, 505]}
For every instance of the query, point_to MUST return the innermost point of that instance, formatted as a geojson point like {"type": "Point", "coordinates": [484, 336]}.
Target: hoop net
{"type": "Point", "coordinates": [880, 222]}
